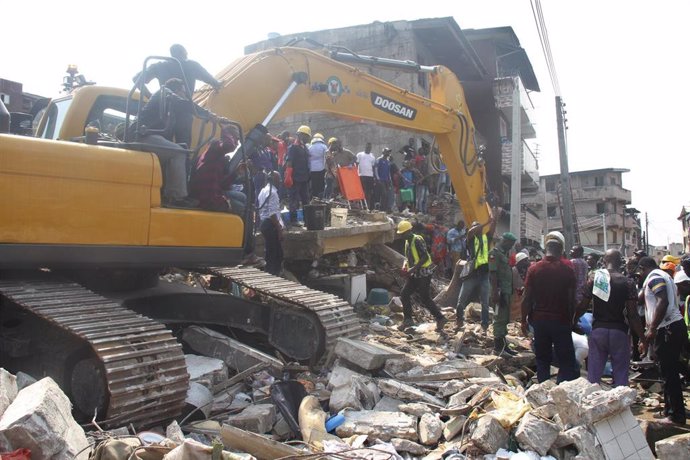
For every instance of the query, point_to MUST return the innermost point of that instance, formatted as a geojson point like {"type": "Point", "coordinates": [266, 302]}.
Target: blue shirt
{"type": "Point", "coordinates": [456, 240]}
{"type": "Point", "coordinates": [383, 169]}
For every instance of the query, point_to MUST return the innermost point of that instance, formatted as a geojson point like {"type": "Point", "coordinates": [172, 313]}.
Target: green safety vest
{"type": "Point", "coordinates": [481, 255]}
{"type": "Point", "coordinates": [415, 254]}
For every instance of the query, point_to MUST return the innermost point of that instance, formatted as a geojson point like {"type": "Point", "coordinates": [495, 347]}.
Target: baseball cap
{"type": "Point", "coordinates": [509, 236]}
{"type": "Point", "coordinates": [555, 236]}
{"type": "Point", "coordinates": [520, 256]}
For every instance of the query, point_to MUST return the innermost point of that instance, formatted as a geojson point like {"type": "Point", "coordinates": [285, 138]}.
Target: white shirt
{"type": "Point", "coordinates": [269, 202]}
{"type": "Point", "coordinates": [366, 164]}
{"type": "Point", "coordinates": [317, 155]}
{"type": "Point", "coordinates": [650, 300]}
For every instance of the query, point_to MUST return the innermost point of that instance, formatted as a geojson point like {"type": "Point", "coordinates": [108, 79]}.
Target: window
{"type": "Point", "coordinates": [601, 208]}
{"type": "Point", "coordinates": [613, 181]}
{"type": "Point", "coordinates": [599, 181]}
{"type": "Point", "coordinates": [551, 211]}
{"type": "Point", "coordinates": [600, 238]}
{"type": "Point", "coordinates": [55, 117]}
{"type": "Point", "coordinates": [550, 185]}
{"type": "Point", "coordinates": [614, 237]}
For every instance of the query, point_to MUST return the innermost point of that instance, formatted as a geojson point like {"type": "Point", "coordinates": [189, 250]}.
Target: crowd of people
{"type": "Point", "coordinates": [624, 310]}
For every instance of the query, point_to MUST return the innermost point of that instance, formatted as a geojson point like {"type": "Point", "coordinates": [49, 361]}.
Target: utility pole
{"type": "Point", "coordinates": [567, 211]}
{"type": "Point", "coordinates": [516, 166]}
{"type": "Point", "coordinates": [603, 221]}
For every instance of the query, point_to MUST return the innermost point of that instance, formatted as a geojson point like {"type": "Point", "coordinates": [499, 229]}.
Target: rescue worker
{"type": "Point", "coordinates": [297, 172]}
{"type": "Point", "coordinates": [501, 277]}
{"type": "Point", "coordinates": [666, 334]}
{"type": "Point", "coordinates": [478, 280]}
{"type": "Point", "coordinates": [419, 270]}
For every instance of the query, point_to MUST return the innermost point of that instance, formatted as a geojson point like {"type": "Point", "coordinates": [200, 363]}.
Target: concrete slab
{"type": "Point", "coordinates": [366, 355]}
{"type": "Point", "coordinates": [236, 355]}
{"type": "Point", "coordinates": [303, 244]}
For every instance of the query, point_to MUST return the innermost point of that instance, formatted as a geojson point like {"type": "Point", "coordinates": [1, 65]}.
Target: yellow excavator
{"type": "Point", "coordinates": [83, 233]}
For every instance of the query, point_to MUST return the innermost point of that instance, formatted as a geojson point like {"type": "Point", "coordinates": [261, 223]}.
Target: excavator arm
{"type": "Point", "coordinates": [284, 81]}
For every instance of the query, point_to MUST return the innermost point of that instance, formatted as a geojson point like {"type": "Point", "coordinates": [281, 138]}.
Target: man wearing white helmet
{"type": "Point", "coordinates": [317, 165]}
{"type": "Point", "coordinates": [548, 303]}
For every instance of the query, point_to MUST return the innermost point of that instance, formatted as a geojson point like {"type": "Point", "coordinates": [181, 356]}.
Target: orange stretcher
{"type": "Point", "coordinates": [351, 185]}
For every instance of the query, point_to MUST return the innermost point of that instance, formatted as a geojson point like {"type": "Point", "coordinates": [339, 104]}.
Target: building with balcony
{"type": "Point", "coordinates": [603, 217]}
{"type": "Point", "coordinates": [489, 63]}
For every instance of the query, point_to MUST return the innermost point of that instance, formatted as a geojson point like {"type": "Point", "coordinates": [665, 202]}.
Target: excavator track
{"type": "Point", "coordinates": [136, 359]}
{"type": "Point", "coordinates": [336, 316]}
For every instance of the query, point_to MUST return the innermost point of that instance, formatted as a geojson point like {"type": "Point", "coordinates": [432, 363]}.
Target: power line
{"type": "Point", "coordinates": [538, 15]}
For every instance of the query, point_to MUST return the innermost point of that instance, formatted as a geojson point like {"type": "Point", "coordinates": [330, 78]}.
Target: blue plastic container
{"type": "Point", "coordinates": [334, 422]}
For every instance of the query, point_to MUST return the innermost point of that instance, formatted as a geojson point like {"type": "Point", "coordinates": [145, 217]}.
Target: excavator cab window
{"type": "Point", "coordinates": [55, 116]}
{"type": "Point", "coordinates": [109, 114]}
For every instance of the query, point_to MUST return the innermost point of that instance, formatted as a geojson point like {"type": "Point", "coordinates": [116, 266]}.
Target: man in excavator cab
{"type": "Point", "coordinates": [163, 123]}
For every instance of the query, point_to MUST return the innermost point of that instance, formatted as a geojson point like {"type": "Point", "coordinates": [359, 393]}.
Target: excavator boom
{"type": "Point", "coordinates": [323, 85]}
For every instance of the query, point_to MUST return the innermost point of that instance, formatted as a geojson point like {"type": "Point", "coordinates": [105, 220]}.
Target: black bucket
{"type": "Point", "coordinates": [315, 216]}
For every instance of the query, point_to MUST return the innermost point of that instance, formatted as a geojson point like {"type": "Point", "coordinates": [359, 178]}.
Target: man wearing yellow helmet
{"type": "Point", "coordinates": [419, 268]}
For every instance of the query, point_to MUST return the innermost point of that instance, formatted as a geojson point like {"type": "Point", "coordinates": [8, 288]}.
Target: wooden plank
{"type": "Point", "coordinates": [260, 447]}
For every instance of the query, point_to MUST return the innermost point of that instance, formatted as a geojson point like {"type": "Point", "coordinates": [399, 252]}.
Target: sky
{"type": "Point", "coordinates": [620, 66]}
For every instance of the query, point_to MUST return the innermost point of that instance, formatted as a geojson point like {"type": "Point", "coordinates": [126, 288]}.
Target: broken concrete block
{"type": "Point", "coordinates": [448, 370]}
{"type": "Point", "coordinates": [534, 433]}
{"type": "Point", "coordinates": [258, 418]}
{"type": "Point", "coordinates": [453, 427]}
{"type": "Point", "coordinates": [586, 443]}
{"type": "Point", "coordinates": [282, 429]}
{"type": "Point", "coordinates": [430, 429]}
{"type": "Point", "coordinates": [199, 401]}
{"type": "Point", "coordinates": [23, 381]}
{"type": "Point", "coordinates": [460, 398]}
{"type": "Point", "coordinates": [397, 366]}
{"type": "Point", "coordinates": [40, 419]}
{"type": "Point", "coordinates": [205, 370]}
{"type": "Point", "coordinates": [359, 393]}
{"type": "Point", "coordinates": [341, 375]}
{"type": "Point", "coordinates": [547, 411]}
{"type": "Point", "coordinates": [381, 425]}
{"type": "Point", "coordinates": [488, 435]}
{"type": "Point", "coordinates": [603, 404]}
{"type": "Point", "coordinates": [174, 432]}
{"type": "Point", "coordinates": [236, 355]}
{"type": "Point", "coordinates": [388, 404]}
{"type": "Point", "coordinates": [416, 409]}
{"type": "Point", "coordinates": [345, 396]}
{"type": "Point", "coordinates": [451, 387]}
{"type": "Point", "coordinates": [673, 448]}
{"type": "Point", "coordinates": [568, 396]}
{"type": "Point", "coordinates": [405, 445]}
{"type": "Point", "coordinates": [366, 355]}
{"type": "Point", "coordinates": [399, 390]}
{"type": "Point", "coordinates": [8, 390]}
{"type": "Point", "coordinates": [371, 394]}
{"type": "Point", "coordinates": [538, 394]}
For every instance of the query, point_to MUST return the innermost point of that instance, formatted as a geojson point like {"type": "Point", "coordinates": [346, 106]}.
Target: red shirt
{"type": "Point", "coordinates": [550, 281]}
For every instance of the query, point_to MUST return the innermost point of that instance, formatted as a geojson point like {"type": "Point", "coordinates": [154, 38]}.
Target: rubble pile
{"type": "Point", "coordinates": [388, 395]}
